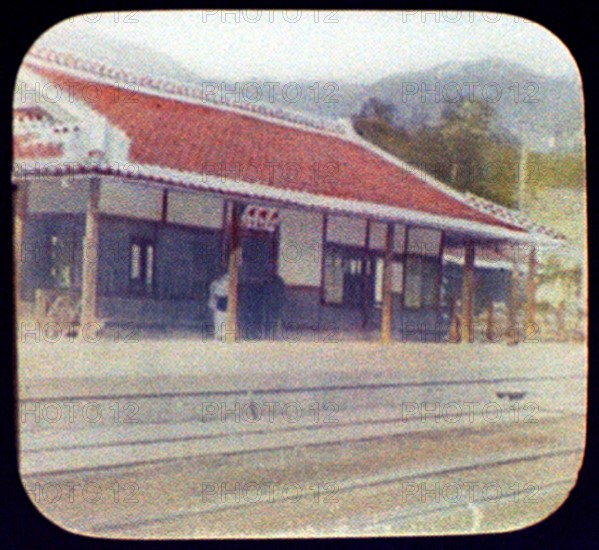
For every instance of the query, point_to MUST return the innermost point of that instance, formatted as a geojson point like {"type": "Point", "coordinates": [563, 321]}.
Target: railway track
{"type": "Point", "coordinates": [175, 430]}
{"type": "Point", "coordinates": [367, 484]}
{"type": "Point", "coordinates": [383, 431]}
{"type": "Point", "coordinates": [299, 389]}
{"type": "Point", "coordinates": [172, 504]}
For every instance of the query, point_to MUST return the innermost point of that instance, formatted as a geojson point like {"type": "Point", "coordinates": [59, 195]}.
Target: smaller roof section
{"type": "Point", "coordinates": [515, 217]}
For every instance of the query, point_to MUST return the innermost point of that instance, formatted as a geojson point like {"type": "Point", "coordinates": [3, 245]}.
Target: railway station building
{"type": "Point", "coordinates": [133, 195]}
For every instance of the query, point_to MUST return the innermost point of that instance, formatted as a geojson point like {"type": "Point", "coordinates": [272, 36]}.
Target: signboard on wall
{"type": "Point", "coordinates": [260, 218]}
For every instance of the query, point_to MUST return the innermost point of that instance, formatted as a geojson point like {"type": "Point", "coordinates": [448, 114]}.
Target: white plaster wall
{"type": "Point", "coordinates": [134, 201]}
{"type": "Point", "coordinates": [399, 243]}
{"type": "Point", "coordinates": [300, 247]}
{"type": "Point", "coordinates": [378, 235]}
{"type": "Point", "coordinates": [64, 195]}
{"type": "Point", "coordinates": [424, 241]}
{"type": "Point", "coordinates": [346, 230]}
{"type": "Point", "coordinates": [196, 209]}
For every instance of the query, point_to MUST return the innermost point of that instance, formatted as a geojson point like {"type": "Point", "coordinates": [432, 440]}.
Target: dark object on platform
{"type": "Point", "coordinates": [511, 395]}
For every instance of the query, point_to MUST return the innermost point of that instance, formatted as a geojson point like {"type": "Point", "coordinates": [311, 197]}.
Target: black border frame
{"type": "Point", "coordinates": [573, 525]}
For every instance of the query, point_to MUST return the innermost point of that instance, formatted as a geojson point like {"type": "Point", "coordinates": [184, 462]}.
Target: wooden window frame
{"type": "Point", "coordinates": [407, 257]}
{"type": "Point", "coordinates": [364, 254]}
{"type": "Point", "coordinates": [143, 292]}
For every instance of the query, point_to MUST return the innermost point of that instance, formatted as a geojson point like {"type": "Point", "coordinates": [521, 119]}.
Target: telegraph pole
{"type": "Point", "coordinates": [522, 176]}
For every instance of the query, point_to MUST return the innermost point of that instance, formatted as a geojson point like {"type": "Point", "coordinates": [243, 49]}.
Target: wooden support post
{"type": "Point", "coordinates": [164, 208]}
{"type": "Point", "coordinates": [439, 284]}
{"type": "Point", "coordinates": [91, 253]}
{"type": "Point", "coordinates": [513, 305]}
{"type": "Point", "coordinates": [561, 321]}
{"type": "Point", "coordinates": [489, 327]}
{"type": "Point", "coordinates": [225, 236]}
{"type": "Point", "coordinates": [468, 295]}
{"type": "Point", "coordinates": [531, 288]}
{"type": "Point", "coordinates": [233, 289]}
{"type": "Point", "coordinates": [367, 269]}
{"type": "Point", "coordinates": [20, 210]}
{"type": "Point", "coordinates": [454, 333]}
{"type": "Point", "coordinates": [387, 310]}
{"type": "Point", "coordinates": [490, 320]}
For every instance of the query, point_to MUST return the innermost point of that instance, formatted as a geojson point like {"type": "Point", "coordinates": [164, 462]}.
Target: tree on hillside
{"type": "Point", "coordinates": [465, 128]}
{"type": "Point", "coordinates": [463, 150]}
{"type": "Point", "coordinates": [377, 108]}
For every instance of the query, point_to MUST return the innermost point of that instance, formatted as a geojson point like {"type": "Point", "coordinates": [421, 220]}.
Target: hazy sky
{"type": "Point", "coordinates": [343, 45]}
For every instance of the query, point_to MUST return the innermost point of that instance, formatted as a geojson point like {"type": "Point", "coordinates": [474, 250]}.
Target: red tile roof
{"type": "Point", "coordinates": [31, 113]}
{"type": "Point", "coordinates": [203, 138]}
{"type": "Point", "coordinates": [25, 149]}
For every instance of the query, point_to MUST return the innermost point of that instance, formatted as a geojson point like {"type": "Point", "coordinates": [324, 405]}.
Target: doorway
{"type": "Point", "coordinates": [258, 273]}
